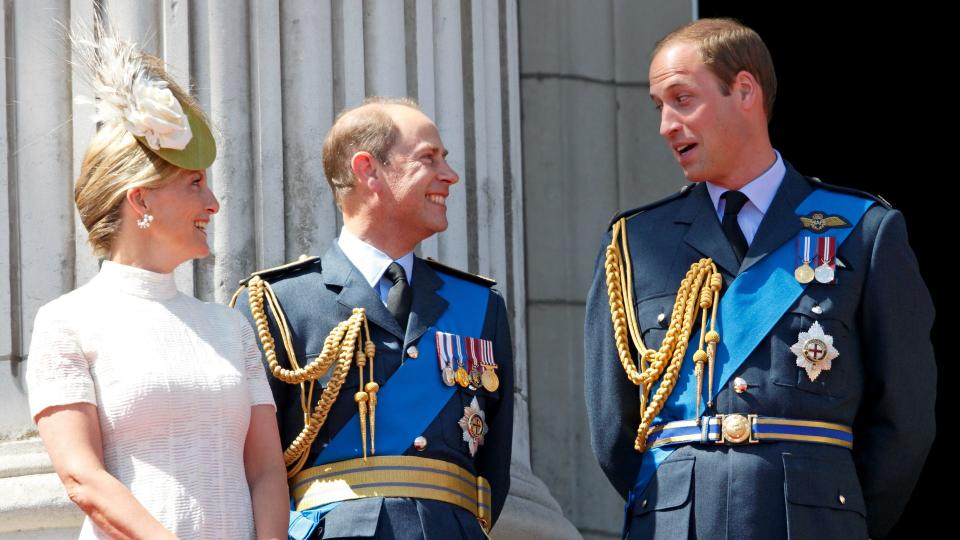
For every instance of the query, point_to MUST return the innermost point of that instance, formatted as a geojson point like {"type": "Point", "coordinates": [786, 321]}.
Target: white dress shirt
{"type": "Point", "coordinates": [759, 191]}
{"type": "Point", "coordinates": [372, 263]}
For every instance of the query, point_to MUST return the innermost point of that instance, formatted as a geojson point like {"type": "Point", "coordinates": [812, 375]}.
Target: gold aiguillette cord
{"type": "Point", "coordinates": [699, 290]}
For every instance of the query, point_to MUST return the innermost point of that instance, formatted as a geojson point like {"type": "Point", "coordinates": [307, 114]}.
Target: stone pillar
{"type": "Point", "coordinates": [590, 148]}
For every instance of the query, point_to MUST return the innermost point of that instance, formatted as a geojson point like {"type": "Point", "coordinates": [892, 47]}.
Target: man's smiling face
{"type": "Point", "coordinates": [418, 177]}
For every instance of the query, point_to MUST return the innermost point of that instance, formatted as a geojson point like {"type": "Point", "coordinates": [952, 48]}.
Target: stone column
{"type": "Point", "coordinates": [590, 148]}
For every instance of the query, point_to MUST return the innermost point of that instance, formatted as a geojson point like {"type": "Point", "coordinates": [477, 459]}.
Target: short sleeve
{"type": "Point", "coordinates": [58, 372]}
{"type": "Point", "coordinates": [257, 385]}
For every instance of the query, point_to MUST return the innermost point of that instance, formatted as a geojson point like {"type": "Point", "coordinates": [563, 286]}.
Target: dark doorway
{"type": "Point", "coordinates": [863, 101]}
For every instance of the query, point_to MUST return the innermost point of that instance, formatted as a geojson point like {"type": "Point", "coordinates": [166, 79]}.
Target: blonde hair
{"type": "Point", "coordinates": [116, 162]}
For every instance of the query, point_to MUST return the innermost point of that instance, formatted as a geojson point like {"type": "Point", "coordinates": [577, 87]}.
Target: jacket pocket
{"type": "Point", "coordinates": [823, 498]}
{"type": "Point", "coordinates": [663, 511]}
{"type": "Point", "coordinates": [653, 318]}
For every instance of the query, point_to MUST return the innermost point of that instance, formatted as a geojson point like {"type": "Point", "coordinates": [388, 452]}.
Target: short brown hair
{"type": "Point", "coordinates": [727, 47]}
{"type": "Point", "coordinates": [364, 128]}
{"type": "Point", "coordinates": [116, 162]}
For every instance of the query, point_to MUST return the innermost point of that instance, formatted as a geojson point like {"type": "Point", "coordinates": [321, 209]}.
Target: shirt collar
{"type": "Point", "coordinates": [370, 261]}
{"type": "Point", "coordinates": [760, 190]}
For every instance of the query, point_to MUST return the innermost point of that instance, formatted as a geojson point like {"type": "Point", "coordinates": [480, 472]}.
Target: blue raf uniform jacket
{"type": "Point", "coordinates": [319, 294]}
{"type": "Point", "coordinates": [882, 383]}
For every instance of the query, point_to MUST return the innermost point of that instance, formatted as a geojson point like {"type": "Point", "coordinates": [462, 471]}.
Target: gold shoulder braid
{"type": "Point", "coordinates": [699, 289]}
{"type": "Point", "coordinates": [342, 347]}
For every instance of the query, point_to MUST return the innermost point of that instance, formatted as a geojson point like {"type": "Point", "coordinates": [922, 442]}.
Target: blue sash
{"type": "Point", "coordinates": [412, 397]}
{"type": "Point", "coordinates": [751, 306]}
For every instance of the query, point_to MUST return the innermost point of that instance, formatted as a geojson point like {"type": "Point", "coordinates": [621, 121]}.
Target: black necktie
{"type": "Point", "coordinates": [735, 201]}
{"type": "Point", "coordinates": [400, 295]}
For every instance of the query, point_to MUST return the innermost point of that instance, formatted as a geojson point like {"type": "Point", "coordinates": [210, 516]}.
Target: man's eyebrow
{"type": "Point", "coordinates": [433, 149]}
{"type": "Point", "coordinates": [675, 83]}
{"type": "Point", "coordinates": [671, 86]}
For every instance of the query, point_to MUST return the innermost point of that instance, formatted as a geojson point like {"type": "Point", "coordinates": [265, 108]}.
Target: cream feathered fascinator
{"type": "Point", "coordinates": [131, 90]}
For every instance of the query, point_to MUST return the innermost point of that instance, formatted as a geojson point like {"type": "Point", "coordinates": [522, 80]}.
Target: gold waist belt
{"type": "Point", "coordinates": [393, 476]}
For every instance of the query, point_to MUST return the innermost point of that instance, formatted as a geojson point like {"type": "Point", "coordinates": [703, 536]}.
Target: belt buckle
{"type": "Point", "coordinates": [737, 429]}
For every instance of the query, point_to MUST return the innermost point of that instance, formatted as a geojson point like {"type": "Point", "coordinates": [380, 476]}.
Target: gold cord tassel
{"type": "Point", "coordinates": [369, 349]}
{"type": "Point", "coordinates": [372, 389]}
{"type": "Point", "coordinates": [361, 399]}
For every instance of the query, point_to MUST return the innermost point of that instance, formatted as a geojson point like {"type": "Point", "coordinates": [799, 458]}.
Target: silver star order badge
{"type": "Point", "coordinates": [814, 350]}
{"type": "Point", "coordinates": [474, 425]}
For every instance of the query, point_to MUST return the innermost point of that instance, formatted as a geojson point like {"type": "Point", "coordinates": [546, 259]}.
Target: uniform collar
{"type": "Point", "coordinates": [760, 190]}
{"type": "Point", "coordinates": [370, 261]}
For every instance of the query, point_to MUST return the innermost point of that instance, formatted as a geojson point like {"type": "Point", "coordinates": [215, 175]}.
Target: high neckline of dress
{"type": "Point", "coordinates": [137, 281]}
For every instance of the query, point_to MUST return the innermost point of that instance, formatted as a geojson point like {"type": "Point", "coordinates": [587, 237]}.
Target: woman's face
{"type": "Point", "coordinates": [181, 210]}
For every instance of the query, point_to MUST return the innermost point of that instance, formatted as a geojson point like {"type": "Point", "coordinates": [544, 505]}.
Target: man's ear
{"type": "Point", "coordinates": [747, 90]}
{"type": "Point", "coordinates": [364, 166]}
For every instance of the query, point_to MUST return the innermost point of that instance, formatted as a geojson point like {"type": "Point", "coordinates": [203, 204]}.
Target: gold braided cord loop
{"type": "Point", "coordinates": [343, 346]}
{"type": "Point", "coordinates": [698, 294]}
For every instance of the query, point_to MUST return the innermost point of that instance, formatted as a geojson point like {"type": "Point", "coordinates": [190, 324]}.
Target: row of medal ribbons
{"type": "Point", "coordinates": [467, 361]}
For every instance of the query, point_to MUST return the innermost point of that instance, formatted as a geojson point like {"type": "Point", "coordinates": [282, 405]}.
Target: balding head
{"type": "Point", "coordinates": [369, 127]}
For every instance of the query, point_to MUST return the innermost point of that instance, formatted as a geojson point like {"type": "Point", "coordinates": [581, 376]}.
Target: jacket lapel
{"type": "Point", "coordinates": [781, 222]}
{"type": "Point", "coordinates": [705, 234]}
{"type": "Point", "coordinates": [355, 292]}
{"type": "Point", "coordinates": [427, 305]}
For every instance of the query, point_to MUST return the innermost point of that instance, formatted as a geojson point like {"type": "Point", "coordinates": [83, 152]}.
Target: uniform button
{"type": "Point", "coordinates": [739, 385]}
{"type": "Point", "coordinates": [842, 499]}
{"type": "Point", "coordinates": [643, 504]}
{"type": "Point", "coordinates": [817, 309]}
{"type": "Point", "coordinates": [420, 443]}
{"type": "Point", "coordinates": [660, 318]}
{"type": "Point", "coordinates": [412, 351]}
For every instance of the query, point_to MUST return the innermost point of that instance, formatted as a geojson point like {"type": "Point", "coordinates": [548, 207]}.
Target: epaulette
{"type": "Point", "coordinates": [483, 280]}
{"type": "Point", "coordinates": [302, 262]}
{"type": "Point", "coordinates": [634, 211]}
{"type": "Point", "coordinates": [851, 191]}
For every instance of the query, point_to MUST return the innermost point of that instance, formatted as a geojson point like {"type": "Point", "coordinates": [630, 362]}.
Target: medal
{"type": "Point", "coordinates": [826, 251]}
{"type": "Point", "coordinates": [461, 377]}
{"type": "Point", "coordinates": [804, 273]}
{"type": "Point", "coordinates": [489, 377]}
{"type": "Point", "coordinates": [814, 350]}
{"type": "Point", "coordinates": [489, 380]}
{"type": "Point", "coordinates": [445, 358]}
{"type": "Point", "coordinates": [474, 426]}
{"type": "Point", "coordinates": [449, 377]}
{"type": "Point", "coordinates": [474, 350]}
{"type": "Point", "coordinates": [475, 379]}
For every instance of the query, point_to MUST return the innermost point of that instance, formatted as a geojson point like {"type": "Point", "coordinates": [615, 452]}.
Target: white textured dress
{"type": "Point", "coordinates": [173, 380]}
